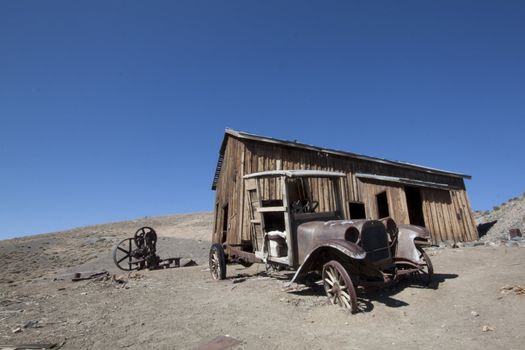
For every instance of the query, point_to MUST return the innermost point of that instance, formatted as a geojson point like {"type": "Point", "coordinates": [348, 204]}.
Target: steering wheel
{"type": "Point", "coordinates": [304, 206]}
{"type": "Point", "coordinates": [310, 206]}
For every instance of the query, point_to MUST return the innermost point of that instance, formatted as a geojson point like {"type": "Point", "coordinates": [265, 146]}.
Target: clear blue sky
{"type": "Point", "coordinates": [114, 110]}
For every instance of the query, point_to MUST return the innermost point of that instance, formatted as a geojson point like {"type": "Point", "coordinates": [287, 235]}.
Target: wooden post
{"type": "Point", "coordinates": [287, 224]}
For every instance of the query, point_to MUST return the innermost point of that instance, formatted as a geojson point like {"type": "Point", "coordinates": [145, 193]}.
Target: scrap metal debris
{"type": "Point", "coordinates": [219, 343]}
{"type": "Point", "coordinates": [514, 233]}
{"type": "Point", "coordinates": [28, 346]}
{"type": "Point", "coordinates": [517, 290]}
{"type": "Point", "coordinates": [82, 276]}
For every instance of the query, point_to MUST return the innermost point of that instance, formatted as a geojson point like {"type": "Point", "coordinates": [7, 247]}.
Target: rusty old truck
{"type": "Point", "coordinates": [293, 229]}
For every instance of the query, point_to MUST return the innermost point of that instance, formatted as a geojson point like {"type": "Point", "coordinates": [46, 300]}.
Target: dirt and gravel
{"type": "Point", "coordinates": [475, 301]}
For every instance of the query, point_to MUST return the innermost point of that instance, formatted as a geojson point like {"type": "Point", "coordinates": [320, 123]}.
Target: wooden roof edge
{"type": "Point", "coordinates": [294, 144]}
{"type": "Point", "coordinates": [295, 173]}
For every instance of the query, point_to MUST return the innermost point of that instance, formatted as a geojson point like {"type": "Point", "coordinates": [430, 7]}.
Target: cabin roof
{"type": "Point", "coordinates": [248, 136]}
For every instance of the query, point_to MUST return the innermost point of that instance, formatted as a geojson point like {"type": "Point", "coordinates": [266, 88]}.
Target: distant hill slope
{"type": "Point", "coordinates": [188, 226]}
{"type": "Point", "coordinates": [501, 219]}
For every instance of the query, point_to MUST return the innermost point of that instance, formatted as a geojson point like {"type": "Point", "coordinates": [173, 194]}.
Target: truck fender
{"type": "Point", "coordinates": [326, 251]}
{"type": "Point", "coordinates": [406, 246]}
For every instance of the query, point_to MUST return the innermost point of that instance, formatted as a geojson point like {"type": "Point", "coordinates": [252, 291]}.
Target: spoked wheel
{"type": "Point", "coordinates": [217, 262]}
{"type": "Point", "coordinates": [338, 286]}
{"type": "Point", "coordinates": [426, 270]}
{"type": "Point", "coordinates": [122, 255]}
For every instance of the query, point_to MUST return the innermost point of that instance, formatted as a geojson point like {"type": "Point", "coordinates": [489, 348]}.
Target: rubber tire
{"type": "Point", "coordinates": [347, 280]}
{"type": "Point", "coordinates": [221, 263]}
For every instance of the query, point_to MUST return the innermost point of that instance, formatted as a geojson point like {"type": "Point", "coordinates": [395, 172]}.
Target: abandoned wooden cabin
{"type": "Point", "coordinates": [373, 188]}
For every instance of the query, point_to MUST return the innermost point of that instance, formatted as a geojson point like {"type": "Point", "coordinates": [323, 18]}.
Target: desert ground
{"type": "Point", "coordinates": [474, 301]}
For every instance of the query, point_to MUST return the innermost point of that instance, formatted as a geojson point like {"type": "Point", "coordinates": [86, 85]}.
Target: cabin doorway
{"type": "Point", "coordinates": [415, 206]}
{"type": "Point", "coordinates": [382, 205]}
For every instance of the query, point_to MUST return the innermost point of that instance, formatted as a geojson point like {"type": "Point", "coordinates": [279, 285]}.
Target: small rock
{"type": "Point", "coordinates": [487, 329]}
{"type": "Point", "coordinates": [32, 324]}
{"type": "Point", "coordinates": [511, 244]}
{"type": "Point", "coordinates": [83, 293]}
{"type": "Point", "coordinates": [505, 289]}
{"type": "Point", "coordinates": [121, 279]}
{"type": "Point", "coordinates": [17, 330]}
{"type": "Point", "coordinates": [136, 275]}
{"type": "Point", "coordinates": [474, 313]}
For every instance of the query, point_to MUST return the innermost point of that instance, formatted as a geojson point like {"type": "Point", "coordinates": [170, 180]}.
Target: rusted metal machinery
{"type": "Point", "coordinates": [139, 252]}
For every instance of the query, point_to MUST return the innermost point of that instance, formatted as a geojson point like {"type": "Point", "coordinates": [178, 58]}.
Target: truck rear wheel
{"type": "Point", "coordinates": [338, 286]}
{"type": "Point", "coordinates": [217, 262]}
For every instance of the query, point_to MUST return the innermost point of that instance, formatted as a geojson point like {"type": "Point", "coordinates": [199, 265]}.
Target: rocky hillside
{"type": "Point", "coordinates": [495, 224]}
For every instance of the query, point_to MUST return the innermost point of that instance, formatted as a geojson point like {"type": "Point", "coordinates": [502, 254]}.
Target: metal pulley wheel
{"type": "Point", "coordinates": [123, 255]}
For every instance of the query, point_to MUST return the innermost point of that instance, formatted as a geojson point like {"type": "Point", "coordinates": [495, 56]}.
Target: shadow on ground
{"type": "Point", "coordinates": [384, 295]}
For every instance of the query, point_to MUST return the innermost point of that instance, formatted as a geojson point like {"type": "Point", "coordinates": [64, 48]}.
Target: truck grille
{"type": "Point", "coordinates": [374, 240]}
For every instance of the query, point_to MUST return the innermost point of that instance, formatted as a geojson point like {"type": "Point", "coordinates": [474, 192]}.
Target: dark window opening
{"type": "Point", "coordinates": [272, 203]}
{"type": "Point", "coordinates": [224, 222]}
{"type": "Point", "coordinates": [382, 205]}
{"type": "Point", "coordinates": [357, 210]}
{"type": "Point", "coordinates": [273, 222]}
{"type": "Point", "coordinates": [415, 206]}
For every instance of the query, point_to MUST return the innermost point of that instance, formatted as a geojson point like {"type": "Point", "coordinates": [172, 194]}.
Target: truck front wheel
{"type": "Point", "coordinates": [338, 286]}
